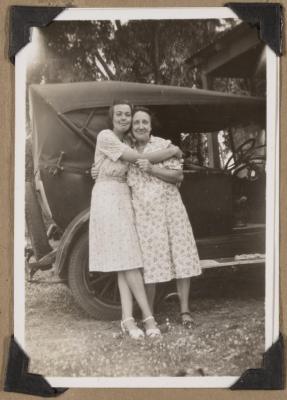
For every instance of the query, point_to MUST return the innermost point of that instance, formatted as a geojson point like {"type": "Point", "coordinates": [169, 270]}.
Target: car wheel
{"type": "Point", "coordinates": [96, 292]}
{"type": "Point", "coordinates": [35, 224]}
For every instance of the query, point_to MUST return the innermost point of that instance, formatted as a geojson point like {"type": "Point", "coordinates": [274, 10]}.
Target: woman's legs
{"type": "Point", "coordinates": [183, 287]}
{"type": "Point", "coordinates": [126, 296]}
{"type": "Point", "coordinates": [150, 292]}
{"type": "Point", "coordinates": [135, 283]}
{"type": "Point", "coordinates": [128, 323]}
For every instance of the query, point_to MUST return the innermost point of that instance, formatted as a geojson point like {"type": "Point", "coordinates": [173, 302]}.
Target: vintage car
{"type": "Point", "coordinates": [223, 187]}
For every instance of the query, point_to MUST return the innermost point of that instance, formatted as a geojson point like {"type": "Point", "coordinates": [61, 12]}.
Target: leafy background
{"type": "Point", "coordinates": [150, 51]}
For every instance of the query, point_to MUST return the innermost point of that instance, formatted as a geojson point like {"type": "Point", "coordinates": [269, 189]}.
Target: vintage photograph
{"type": "Point", "coordinates": [145, 160]}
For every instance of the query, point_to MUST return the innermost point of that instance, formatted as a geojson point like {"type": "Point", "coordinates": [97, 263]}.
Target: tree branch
{"type": "Point", "coordinates": [100, 71]}
{"type": "Point", "coordinates": [104, 65]}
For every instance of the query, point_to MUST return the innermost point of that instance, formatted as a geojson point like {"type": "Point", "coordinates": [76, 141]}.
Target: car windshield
{"type": "Point", "coordinates": [195, 148]}
{"type": "Point", "coordinates": [199, 149]}
{"type": "Point", "coordinates": [223, 149]}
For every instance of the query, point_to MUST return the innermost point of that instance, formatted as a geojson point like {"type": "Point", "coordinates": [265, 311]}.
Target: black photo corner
{"type": "Point", "coordinates": [268, 20]}
{"type": "Point", "coordinates": [22, 18]}
{"type": "Point", "coordinates": [19, 380]}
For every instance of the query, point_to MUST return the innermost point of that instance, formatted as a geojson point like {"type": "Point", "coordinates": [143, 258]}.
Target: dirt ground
{"type": "Point", "coordinates": [61, 340]}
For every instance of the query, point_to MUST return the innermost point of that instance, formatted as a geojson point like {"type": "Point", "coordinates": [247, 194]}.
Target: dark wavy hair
{"type": "Point", "coordinates": [112, 107]}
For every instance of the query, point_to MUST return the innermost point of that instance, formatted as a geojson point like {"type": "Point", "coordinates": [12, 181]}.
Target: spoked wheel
{"type": "Point", "coordinates": [96, 292]}
{"type": "Point", "coordinates": [102, 285]}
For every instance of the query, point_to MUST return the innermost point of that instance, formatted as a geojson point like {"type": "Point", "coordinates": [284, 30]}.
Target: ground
{"type": "Point", "coordinates": [61, 340]}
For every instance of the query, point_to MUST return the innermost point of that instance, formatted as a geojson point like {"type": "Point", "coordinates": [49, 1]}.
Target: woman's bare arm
{"type": "Point", "coordinates": [167, 175]}
{"type": "Point", "coordinates": [132, 155]}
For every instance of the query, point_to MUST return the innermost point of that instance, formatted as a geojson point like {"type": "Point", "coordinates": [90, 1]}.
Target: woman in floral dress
{"type": "Point", "coordinates": [113, 240]}
{"type": "Point", "coordinates": [166, 237]}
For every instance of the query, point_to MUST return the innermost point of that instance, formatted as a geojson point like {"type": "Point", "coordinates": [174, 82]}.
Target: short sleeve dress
{"type": "Point", "coordinates": [113, 239]}
{"type": "Point", "coordinates": [167, 242]}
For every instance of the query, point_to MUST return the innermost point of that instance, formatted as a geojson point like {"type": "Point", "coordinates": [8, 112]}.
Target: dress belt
{"type": "Point", "coordinates": [121, 179]}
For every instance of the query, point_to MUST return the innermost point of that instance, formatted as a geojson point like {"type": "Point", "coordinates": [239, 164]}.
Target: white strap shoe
{"type": "Point", "coordinates": [133, 332]}
{"type": "Point", "coordinates": [152, 332]}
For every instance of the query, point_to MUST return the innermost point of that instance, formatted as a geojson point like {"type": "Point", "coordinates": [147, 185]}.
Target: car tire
{"type": "Point", "coordinates": [35, 224]}
{"type": "Point", "coordinates": [92, 300]}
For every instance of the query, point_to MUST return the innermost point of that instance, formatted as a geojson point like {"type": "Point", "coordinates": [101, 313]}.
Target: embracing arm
{"type": "Point", "coordinates": [110, 145]}
{"type": "Point", "coordinates": [167, 175]}
{"type": "Point", "coordinates": [154, 157]}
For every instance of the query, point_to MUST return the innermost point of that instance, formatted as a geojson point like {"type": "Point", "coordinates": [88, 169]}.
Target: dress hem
{"type": "Point", "coordinates": [114, 270]}
{"type": "Point", "coordinates": [174, 277]}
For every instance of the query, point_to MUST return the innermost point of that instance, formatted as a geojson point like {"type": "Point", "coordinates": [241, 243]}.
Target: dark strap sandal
{"type": "Point", "coordinates": [187, 323]}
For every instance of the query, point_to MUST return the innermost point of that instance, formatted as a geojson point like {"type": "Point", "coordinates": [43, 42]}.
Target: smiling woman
{"type": "Point", "coordinates": [120, 116]}
{"type": "Point", "coordinates": [165, 234]}
{"type": "Point", "coordinates": [141, 126]}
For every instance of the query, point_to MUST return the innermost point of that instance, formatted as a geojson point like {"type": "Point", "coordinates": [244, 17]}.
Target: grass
{"type": "Point", "coordinates": [227, 339]}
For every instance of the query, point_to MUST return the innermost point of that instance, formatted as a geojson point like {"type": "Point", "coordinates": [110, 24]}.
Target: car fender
{"type": "Point", "coordinates": [72, 232]}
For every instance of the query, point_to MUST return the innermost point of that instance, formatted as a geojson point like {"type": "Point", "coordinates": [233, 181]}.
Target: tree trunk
{"type": "Point", "coordinates": [118, 25]}
{"type": "Point", "coordinates": [155, 54]}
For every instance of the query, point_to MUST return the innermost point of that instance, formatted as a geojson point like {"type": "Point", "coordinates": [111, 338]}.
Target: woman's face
{"type": "Point", "coordinates": [141, 126]}
{"type": "Point", "coordinates": [122, 118]}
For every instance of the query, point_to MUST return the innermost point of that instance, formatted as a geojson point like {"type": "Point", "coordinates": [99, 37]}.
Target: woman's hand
{"type": "Point", "coordinates": [144, 165]}
{"type": "Point", "coordinates": [177, 152]}
{"type": "Point", "coordinates": [94, 172]}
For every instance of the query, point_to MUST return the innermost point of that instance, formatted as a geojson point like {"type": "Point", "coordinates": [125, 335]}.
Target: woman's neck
{"type": "Point", "coordinates": [120, 135]}
{"type": "Point", "coordinates": [141, 144]}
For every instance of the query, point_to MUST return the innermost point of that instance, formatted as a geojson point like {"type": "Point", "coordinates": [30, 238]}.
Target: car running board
{"type": "Point", "coordinates": [233, 261]}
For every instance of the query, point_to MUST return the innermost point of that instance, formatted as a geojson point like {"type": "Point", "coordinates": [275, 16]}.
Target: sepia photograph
{"type": "Point", "coordinates": [146, 190]}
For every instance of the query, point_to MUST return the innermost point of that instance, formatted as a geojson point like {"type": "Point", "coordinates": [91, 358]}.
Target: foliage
{"type": "Point", "coordinates": [148, 51]}
{"type": "Point", "coordinates": [151, 51]}
{"type": "Point", "coordinates": [232, 85]}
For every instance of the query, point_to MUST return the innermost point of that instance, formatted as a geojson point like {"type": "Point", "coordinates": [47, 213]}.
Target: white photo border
{"type": "Point", "coordinates": [272, 198]}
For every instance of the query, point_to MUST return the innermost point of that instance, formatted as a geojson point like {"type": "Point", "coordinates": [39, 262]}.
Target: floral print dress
{"type": "Point", "coordinates": [113, 239]}
{"type": "Point", "coordinates": [166, 238]}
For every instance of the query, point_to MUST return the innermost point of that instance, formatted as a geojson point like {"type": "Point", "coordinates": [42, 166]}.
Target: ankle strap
{"type": "Point", "coordinates": [148, 318]}
{"type": "Point", "coordinates": [128, 319]}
